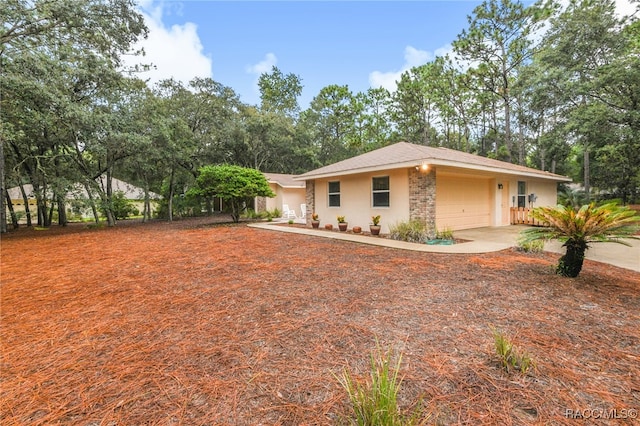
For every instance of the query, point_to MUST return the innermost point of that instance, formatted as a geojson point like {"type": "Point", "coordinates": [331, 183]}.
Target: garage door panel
{"type": "Point", "coordinates": [462, 203]}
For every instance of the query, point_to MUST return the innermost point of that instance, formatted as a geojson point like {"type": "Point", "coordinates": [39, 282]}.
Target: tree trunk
{"type": "Point", "coordinates": [494, 121]}
{"type": "Point", "coordinates": [92, 202]}
{"type": "Point", "coordinates": [507, 127]}
{"type": "Point", "coordinates": [111, 218]}
{"type": "Point", "coordinates": [12, 213]}
{"type": "Point", "coordinates": [50, 215]}
{"type": "Point", "coordinates": [27, 208]}
{"type": "Point", "coordinates": [41, 211]}
{"type": "Point", "coordinates": [3, 190]}
{"type": "Point", "coordinates": [236, 209]}
{"type": "Point", "coordinates": [62, 210]}
{"type": "Point", "coordinates": [3, 210]}
{"type": "Point", "coordinates": [587, 183]}
{"type": "Point", "coordinates": [170, 206]}
{"type": "Point", "coordinates": [146, 210]}
{"type": "Point", "coordinates": [41, 201]}
{"type": "Point", "coordinates": [570, 264]}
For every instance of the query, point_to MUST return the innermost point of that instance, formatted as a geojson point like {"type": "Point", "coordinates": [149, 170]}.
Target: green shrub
{"type": "Point", "coordinates": [536, 246]}
{"type": "Point", "coordinates": [273, 213]}
{"type": "Point", "coordinates": [413, 231]}
{"type": "Point", "coordinates": [122, 207]}
{"type": "Point", "coordinates": [445, 234]}
{"type": "Point", "coordinates": [509, 356]}
{"type": "Point", "coordinates": [251, 214]}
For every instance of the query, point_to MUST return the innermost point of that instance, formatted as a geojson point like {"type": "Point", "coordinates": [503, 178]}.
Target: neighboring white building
{"type": "Point", "coordinates": [78, 193]}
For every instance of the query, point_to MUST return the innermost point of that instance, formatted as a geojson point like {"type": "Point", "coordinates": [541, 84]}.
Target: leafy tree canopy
{"type": "Point", "coordinates": [234, 184]}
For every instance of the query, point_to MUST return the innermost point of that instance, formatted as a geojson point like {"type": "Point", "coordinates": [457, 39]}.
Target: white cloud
{"type": "Point", "coordinates": [388, 80]}
{"type": "Point", "coordinates": [625, 8]}
{"type": "Point", "coordinates": [412, 58]}
{"type": "Point", "coordinates": [174, 52]}
{"type": "Point", "coordinates": [264, 66]}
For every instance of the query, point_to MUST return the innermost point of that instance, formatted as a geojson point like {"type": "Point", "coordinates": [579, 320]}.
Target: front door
{"type": "Point", "coordinates": [504, 204]}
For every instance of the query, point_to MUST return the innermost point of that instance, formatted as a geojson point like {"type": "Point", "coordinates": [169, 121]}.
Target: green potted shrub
{"type": "Point", "coordinates": [342, 223]}
{"type": "Point", "coordinates": [375, 227]}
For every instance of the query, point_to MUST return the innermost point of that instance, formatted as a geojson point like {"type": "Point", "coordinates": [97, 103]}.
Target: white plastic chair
{"type": "Point", "coordinates": [303, 210]}
{"type": "Point", "coordinates": [287, 213]}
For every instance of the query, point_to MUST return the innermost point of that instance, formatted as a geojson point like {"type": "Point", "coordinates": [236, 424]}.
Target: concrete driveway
{"type": "Point", "coordinates": [480, 240]}
{"type": "Point", "coordinates": [611, 253]}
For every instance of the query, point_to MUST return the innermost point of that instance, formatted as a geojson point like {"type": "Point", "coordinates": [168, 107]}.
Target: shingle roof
{"type": "Point", "coordinates": [404, 154]}
{"type": "Point", "coordinates": [131, 192]}
{"type": "Point", "coordinates": [284, 180]}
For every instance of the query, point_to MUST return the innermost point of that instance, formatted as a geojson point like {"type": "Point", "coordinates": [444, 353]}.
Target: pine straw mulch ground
{"type": "Point", "coordinates": [194, 324]}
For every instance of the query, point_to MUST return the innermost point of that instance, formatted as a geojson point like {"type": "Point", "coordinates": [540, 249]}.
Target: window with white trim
{"type": "Point", "coordinates": [380, 194]}
{"type": "Point", "coordinates": [334, 194]}
{"type": "Point", "coordinates": [522, 194]}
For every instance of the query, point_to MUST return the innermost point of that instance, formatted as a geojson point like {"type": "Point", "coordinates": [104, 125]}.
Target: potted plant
{"type": "Point", "coordinates": [356, 229]}
{"type": "Point", "coordinates": [342, 223]}
{"type": "Point", "coordinates": [375, 228]}
{"type": "Point", "coordinates": [315, 220]}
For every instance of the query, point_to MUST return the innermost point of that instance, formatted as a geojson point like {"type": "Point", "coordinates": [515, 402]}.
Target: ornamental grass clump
{"type": "Point", "coordinates": [510, 357]}
{"type": "Point", "coordinates": [445, 234]}
{"type": "Point", "coordinates": [530, 246]}
{"type": "Point", "coordinates": [375, 402]}
{"type": "Point", "coordinates": [577, 228]}
{"type": "Point", "coordinates": [413, 231]}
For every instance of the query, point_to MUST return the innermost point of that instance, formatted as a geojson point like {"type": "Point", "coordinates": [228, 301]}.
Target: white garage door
{"type": "Point", "coordinates": [462, 202]}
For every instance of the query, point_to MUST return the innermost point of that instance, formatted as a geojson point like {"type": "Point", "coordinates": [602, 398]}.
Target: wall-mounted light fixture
{"type": "Point", "coordinates": [499, 186]}
{"type": "Point", "coordinates": [424, 167]}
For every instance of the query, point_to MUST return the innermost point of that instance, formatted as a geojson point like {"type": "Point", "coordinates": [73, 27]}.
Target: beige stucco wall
{"type": "Point", "coordinates": [463, 199]}
{"type": "Point", "coordinates": [290, 196]}
{"type": "Point", "coordinates": [547, 192]}
{"type": "Point", "coordinates": [356, 200]}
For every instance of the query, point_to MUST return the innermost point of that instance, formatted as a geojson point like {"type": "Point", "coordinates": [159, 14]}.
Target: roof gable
{"type": "Point", "coordinates": [131, 192]}
{"type": "Point", "coordinates": [284, 180]}
{"type": "Point", "coordinates": [404, 154]}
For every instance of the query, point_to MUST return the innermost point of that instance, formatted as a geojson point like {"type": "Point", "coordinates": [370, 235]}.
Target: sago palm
{"type": "Point", "coordinates": [577, 228]}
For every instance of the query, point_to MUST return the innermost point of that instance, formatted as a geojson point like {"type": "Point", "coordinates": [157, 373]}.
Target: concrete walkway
{"type": "Point", "coordinates": [480, 240]}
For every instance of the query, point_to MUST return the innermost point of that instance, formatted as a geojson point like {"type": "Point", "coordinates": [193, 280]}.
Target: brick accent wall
{"type": "Point", "coordinates": [422, 196]}
{"type": "Point", "coordinates": [310, 199]}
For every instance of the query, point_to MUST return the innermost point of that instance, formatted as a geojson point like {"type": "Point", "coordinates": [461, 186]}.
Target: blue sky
{"type": "Point", "coordinates": [361, 44]}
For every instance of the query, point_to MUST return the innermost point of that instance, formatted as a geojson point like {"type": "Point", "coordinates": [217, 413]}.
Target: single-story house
{"type": "Point", "coordinates": [288, 192]}
{"type": "Point", "coordinates": [447, 189]}
{"type": "Point", "coordinates": [77, 198]}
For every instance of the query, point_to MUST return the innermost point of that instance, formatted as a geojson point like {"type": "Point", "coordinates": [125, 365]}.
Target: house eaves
{"type": "Point", "coordinates": [406, 155]}
{"type": "Point", "coordinates": [284, 180]}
